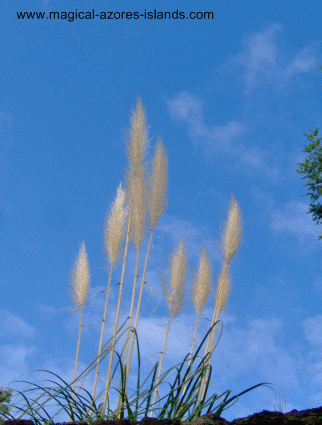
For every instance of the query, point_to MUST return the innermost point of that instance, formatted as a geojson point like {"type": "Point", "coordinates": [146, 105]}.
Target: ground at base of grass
{"type": "Point", "coordinates": [308, 417]}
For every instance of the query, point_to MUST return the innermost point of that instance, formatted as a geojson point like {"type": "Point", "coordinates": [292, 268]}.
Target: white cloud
{"type": "Point", "coordinates": [188, 108]}
{"type": "Point", "coordinates": [304, 61]}
{"type": "Point", "coordinates": [185, 107]}
{"type": "Point", "coordinates": [258, 57]}
{"type": "Point", "coordinates": [265, 63]}
{"type": "Point", "coordinates": [222, 141]}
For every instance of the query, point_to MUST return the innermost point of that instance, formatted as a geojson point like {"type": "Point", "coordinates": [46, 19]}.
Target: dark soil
{"type": "Point", "coordinates": [309, 417]}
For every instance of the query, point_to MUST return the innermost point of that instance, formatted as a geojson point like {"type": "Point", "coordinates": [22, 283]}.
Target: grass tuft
{"type": "Point", "coordinates": [137, 209]}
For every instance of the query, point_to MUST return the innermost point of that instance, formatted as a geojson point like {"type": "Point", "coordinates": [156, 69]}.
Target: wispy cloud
{"type": "Point", "coordinates": [188, 108]}
{"type": "Point", "coordinates": [304, 61]}
{"type": "Point", "coordinates": [264, 63]}
{"type": "Point", "coordinates": [224, 142]}
{"type": "Point", "coordinates": [259, 62]}
{"type": "Point", "coordinates": [259, 57]}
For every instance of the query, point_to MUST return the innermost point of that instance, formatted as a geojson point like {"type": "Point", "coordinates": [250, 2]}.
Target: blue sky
{"type": "Point", "coordinates": [232, 98]}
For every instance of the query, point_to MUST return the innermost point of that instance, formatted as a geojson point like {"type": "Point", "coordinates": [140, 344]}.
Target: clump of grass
{"type": "Point", "coordinates": [145, 196]}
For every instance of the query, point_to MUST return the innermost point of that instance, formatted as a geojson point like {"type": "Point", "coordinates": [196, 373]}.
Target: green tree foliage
{"type": "Point", "coordinates": [5, 397]}
{"type": "Point", "coordinates": [313, 167]}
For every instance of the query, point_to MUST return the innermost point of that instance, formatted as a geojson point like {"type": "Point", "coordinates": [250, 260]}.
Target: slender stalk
{"type": "Point", "coordinates": [137, 192]}
{"type": "Point", "coordinates": [231, 242]}
{"type": "Point", "coordinates": [202, 289]}
{"type": "Point", "coordinates": [80, 283]}
{"type": "Point", "coordinates": [107, 384]}
{"type": "Point", "coordinates": [156, 200]}
{"type": "Point", "coordinates": [127, 367]}
{"type": "Point", "coordinates": [178, 270]}
{"type": "Point", "coordinates": [136, 189]}
{"type": "Point", "coordinates": [114, 234]}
